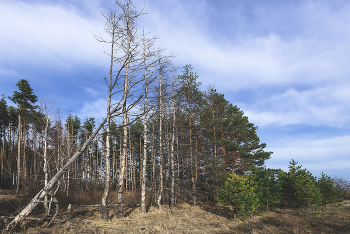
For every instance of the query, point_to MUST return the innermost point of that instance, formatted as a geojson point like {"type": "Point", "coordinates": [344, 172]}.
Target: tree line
{"type": "Point", "coordinates": [265, 189]}
{"type": "Point", "coordinates": [192, 142]}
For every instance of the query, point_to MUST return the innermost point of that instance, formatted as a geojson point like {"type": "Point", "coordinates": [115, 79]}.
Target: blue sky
{"type": "Point", "coordinates": [284, 63]}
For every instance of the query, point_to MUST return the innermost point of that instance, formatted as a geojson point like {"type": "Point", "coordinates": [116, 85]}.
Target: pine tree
{"type": "Point", "coordinates": [191, 98]}
{"type": "Point", "coordinates": [4, 121]}
{"type": "Point", "coordinates": [266, 186]}
{"type": "Point", "coordinates": [328, 190]}
{"type": "Point", "coordinates": [298, 187]}
{"type": "Point", "coordinates": [25, 100]}
{"type": "Point", "coordinates": [239, 192]}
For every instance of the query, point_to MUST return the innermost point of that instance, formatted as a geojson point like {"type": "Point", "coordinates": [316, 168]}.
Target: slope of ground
{"type": "Point", "coordinates": [204, 218]}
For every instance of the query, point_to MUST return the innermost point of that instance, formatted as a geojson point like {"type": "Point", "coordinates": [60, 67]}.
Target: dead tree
{"type": "Point", "coordinates": [45, 108]}
{"type": "Point", "coordinates": [125, 53]}
{"type": "Point", "coordinates": [50, 185]}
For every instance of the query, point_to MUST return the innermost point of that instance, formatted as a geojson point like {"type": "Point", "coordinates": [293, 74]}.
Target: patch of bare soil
{"type": "Point", "coordinates": [204, 218]}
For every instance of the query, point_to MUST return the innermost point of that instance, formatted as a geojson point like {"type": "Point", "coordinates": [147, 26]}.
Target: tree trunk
{"type": "Point", "coordinates": [154, 184]}
{"type": "Point", "coordinates": [125, 137]}
{"type": "Point", "coordinates": [159, 200]}
{"type": "Point", "coordinates": [104, 208]}
{"type": "Point", "coordinates": [24, 152]}
{"type": "Point", "coordinates": [172, 167]}
{"type": "Point", "coordinates": [122, 167]}
{"type": "Point", "coordinates": [18, 156]}
{"type": "Point", "coordinates": [2, 156]}
{"type": "Point", "coordinates": [191, 156]}
{"type": "Point", "coordinates": [45, 163]}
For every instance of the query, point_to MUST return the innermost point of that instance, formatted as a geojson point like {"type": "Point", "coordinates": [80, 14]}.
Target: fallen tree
{"type": "Point", "coordinates": [48, 189]}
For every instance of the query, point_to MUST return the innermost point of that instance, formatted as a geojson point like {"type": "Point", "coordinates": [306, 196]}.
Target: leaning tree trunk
{"type": "Point", "coordinates": [49, 187]}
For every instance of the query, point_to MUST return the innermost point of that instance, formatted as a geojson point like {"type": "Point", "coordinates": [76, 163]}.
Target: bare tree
{"type": "Point", "coordinates": [125, 51]}
{"type": "Point", "coordinates": [46, 106]}
{"type": "Point", "coordinates": [143, 179]}
{"type": "Point", "coordinates": [111, 28]}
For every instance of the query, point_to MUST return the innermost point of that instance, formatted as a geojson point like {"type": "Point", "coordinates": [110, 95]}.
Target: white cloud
{"type": "Point", "coordinates": [317, 155]}
{"type": "Point", "coordinates": [91, 91]}
{"type": "Point", "coordinates": [60, 35]}
{"type": "Point", "coordinates": [318, 106]}
{"type": "Point", "coordinates": [96, 109]}
{"type": "Point", "coordinates": [48, 35]}
{"type": "Point", "coordinates": [251, 61]}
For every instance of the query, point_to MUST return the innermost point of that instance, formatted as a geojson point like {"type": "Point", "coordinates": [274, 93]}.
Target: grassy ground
{"type": "Point", "coordinates": [204, 218]}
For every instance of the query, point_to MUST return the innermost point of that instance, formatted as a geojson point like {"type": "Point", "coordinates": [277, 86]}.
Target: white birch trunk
{"type": "Point", "coordinates": [143, 179]}
{"type": "Point", "coordinates": [125, 137]}
{"type": "Point", "coordinates": [159, 200]}
{"type": "Point", "coordinates": [172, 184]}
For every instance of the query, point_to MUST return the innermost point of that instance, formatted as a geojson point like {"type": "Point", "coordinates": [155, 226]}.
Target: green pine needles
{"type": "Point", "coordinates": [239, 193]}
{"type": "Point", "coordinates": [264, 189]}
{"type": "Point", "coordinates": [299, 188]}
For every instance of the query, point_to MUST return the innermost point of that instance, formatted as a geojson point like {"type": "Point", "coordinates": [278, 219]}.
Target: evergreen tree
{"type": "Point", "coordinates": [327, 189]}
{"type": "Point", "coordinates": [88, 126]}
{"type": "Point", "coordinates": [266, 185]}
{"type": "Point", "coordinates": [298, 187]}
{"type": "Point", "coordinates": [73, 127]}
{"type": "Point", "coordinates": [4, 114]}
{"type": "Point", "coordinates": [244, 146]}
{"type": "Point", "coordinates": [191, 99]}
{"type": "Point", "coordinates": [239, 192]}
{"type": "Point", "coordinates": [4, 121]}
{"type": "Point", "coordinates": [214, 129]}
{"type": "Point", "coordinates": [25, 100]}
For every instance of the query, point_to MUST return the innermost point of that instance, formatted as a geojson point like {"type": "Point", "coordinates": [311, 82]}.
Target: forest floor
{"type": "Point", "coordinates": [204, 218]}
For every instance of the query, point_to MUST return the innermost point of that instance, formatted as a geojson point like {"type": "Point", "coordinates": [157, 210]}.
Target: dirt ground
{"type": "Point", "coordinates": [204, 218]}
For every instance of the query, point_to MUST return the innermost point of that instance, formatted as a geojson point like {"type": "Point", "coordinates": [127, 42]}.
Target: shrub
{"type": "Point", "coordinates": [239, 193]}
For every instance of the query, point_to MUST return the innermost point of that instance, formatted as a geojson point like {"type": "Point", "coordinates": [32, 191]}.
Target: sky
{"type": "Point", "coordinates": [284, 63]}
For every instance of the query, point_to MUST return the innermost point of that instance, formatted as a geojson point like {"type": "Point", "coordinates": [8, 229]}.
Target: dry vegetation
{"type": "Point", "coordinates": [205, 218]}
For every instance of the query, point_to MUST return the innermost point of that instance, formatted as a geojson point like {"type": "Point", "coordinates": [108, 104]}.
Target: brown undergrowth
{"type": "Point", "coordinates": [204, 218]}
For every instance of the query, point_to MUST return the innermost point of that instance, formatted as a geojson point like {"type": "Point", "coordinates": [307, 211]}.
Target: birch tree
{"type": "Point", "coordinates": [148, 53]}
{"type": "Point", "coordinates": [46, 108]}
{"type": "Point", "coordinates": [161, 182]}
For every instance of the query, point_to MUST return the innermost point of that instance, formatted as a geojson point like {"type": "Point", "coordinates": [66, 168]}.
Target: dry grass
{"type": "Point", "coordinates": [204, 218]}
